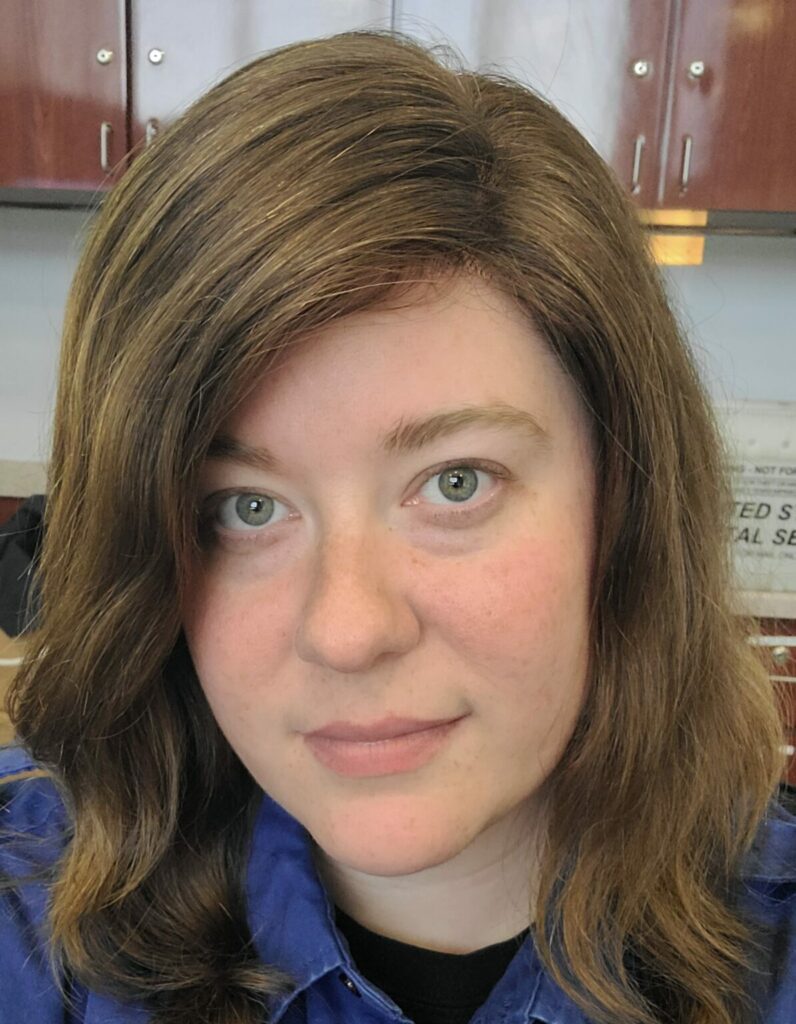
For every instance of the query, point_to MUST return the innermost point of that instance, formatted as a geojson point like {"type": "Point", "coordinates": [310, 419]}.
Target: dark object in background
{"type": "Point", "coordinates": [20, 542]}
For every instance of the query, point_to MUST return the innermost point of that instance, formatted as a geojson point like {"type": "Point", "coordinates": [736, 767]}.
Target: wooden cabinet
{"type": "Point", "coordinates": [692, 102]}
{"type": "Point", "coordinates": [8, 506]}
{"type": "Point", "coordinates": [637, 140]}
{"type": "Point", "coordinates": [733, 116]}
{"type": "Point", "coordinates": [603, 63]}
{"type": "Point", "coordinates": [178, 51]}
{"type": "Point", "coordinates": [64, 68]}
{"type": "Point", "coordinates": [63, 94]}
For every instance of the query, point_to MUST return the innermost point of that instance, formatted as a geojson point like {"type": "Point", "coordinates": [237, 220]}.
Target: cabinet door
{"type": "Point", "coordinates": [178, 50]}
{"type": "Point", "coordinates": [63, 98]}
{"type": "Point", "coordinates": [733, 128]}
{"type": "Point", "coordinates": [601, 62]}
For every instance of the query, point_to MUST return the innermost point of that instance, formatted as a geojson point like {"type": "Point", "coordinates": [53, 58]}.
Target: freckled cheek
{"type": "Point", "coordinates": [526, 642]}
{"type": "Point", "coordinates": [524, 615]}
{"type": "Point", "coordinates": [231, 634]}
{"type": "Point", "coordinates": [532, 586]}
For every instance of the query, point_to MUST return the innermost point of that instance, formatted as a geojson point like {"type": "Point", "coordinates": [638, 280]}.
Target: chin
{"type": "Point", "coordinates": [389, 863]}
{"type": "Point", "coordinates": [388, 850]}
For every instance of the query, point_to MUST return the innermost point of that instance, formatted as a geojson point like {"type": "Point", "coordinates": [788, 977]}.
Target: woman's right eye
{"type": "Point", "coordinates": [243, 512]}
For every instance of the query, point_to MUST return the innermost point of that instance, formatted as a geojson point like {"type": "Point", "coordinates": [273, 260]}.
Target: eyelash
{"type": "Point", "coordinates": [211, 505]}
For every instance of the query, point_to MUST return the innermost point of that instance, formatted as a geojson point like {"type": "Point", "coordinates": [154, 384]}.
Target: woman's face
{"type": "Point", "coordinates": [356, 579]}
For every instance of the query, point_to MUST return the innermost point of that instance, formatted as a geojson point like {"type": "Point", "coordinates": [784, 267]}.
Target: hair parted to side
{"type": "Point", "coordinates": [312, 183]}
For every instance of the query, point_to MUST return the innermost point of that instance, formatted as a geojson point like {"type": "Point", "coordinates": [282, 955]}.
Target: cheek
{"type": "Point", "coordinates": [229, 644]}
{"type": "Point", "coordinates": [543, 687]}
{"type": "Point", "coordinates": [527, 604]}
{"type": "Point", "coordinates": [529, 595]}
{"type": "Point", "coordinates": [522, 632]}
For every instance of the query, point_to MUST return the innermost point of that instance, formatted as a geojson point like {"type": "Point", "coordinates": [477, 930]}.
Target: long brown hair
{"type": "Point", "coordinates": [312, 183]}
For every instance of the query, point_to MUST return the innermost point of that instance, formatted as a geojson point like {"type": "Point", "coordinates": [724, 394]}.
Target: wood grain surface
{"type": "Point", "coordinates": [10, 650]}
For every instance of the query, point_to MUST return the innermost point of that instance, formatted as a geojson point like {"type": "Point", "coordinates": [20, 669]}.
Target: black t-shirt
{"type": "Point", "coordinates": [430, 987]}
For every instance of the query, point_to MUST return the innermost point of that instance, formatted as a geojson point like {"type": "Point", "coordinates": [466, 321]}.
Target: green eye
{"type": "Point", "coordinates": [242, 511]}
{"type": "Point", "coordinates": [458, 483]}
{"type": "Point", "coordinates": [253, 509]}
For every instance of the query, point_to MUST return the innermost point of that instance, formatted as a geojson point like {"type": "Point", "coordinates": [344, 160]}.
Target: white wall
{"type": "Point", "coordinates": [739, 309]}
{"type": "Point", "coordinates": [38, 254]}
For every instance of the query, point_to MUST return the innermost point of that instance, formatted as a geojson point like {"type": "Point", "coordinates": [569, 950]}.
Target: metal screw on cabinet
{"type": "Point", "coordinates": [104, 56]}
{"type": "Point", "coordinates": [156, 56]}
{"type": "Point", "coordinates": [780, 654]}
{"type": "Point", "coordinates": [696, 69]}
{"type": "Point", "coordinates": [641, 68]}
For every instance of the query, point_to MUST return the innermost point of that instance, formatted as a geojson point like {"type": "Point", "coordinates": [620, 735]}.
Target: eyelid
{"type": "Point", "coordinates": [485, 464]}
{"type": "Point", "coordinates": [471, 514]}
{"type": "Point", "coordinates": [492, 468]}
{"type": "Point", "coordinates": [209, 505]}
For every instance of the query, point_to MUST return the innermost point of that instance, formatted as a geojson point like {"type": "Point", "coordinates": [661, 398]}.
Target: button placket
{"type": "Point", "coordinates": [349, 984]}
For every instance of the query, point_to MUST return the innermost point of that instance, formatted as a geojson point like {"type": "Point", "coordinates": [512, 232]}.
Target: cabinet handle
{"type": "Point", "coordinates": [105, 131]}
{"type": "Point", "coordinates": [637, 151]}
{"type": "Point", "coordinates": [685, 172]}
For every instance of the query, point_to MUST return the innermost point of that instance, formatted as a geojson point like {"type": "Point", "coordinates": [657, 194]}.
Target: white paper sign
{"type": "Point", "coordinates": [762, 440]}
{"type": "Point", "coordinates": [764, 524]}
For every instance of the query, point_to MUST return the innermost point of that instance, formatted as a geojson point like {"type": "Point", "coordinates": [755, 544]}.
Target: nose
{"type": "Point", "coordinates": [357, 609]}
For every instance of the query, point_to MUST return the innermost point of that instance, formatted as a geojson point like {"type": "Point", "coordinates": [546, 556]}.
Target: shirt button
{"type": "Point", "coordinates": [350, 985]}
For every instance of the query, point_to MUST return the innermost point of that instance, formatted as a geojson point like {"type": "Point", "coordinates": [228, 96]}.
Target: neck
{"type": "Point", "coordinates": [482, 896]}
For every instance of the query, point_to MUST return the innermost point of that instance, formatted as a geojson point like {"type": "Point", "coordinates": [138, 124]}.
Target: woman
{"type": "Point", "coordinates": [386, 666]}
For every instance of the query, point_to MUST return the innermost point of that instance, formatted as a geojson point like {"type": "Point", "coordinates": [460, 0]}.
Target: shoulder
{"type": "Point", "coordinates": [772, 858]}
{"type": "Point", "coordinates": [33, 828]}
{"type": "Point", "coordinates": [17, 768]}
{"type": "Point", "coordinates": [769, 875]}
{"type": "Point", "coordinates": [768, 899]}
{"type": "Point", "coordinates": [30, 804]}
{"type": "Point", "coordinates": [34, 825]}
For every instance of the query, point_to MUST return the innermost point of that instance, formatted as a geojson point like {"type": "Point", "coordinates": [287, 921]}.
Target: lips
{"type": "Point", "coordinates": [363, 759]}
{"type": "Point", "coordinates": [386, 729]}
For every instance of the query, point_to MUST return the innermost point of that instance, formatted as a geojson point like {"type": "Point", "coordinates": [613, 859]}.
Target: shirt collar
{"type": "Point", "coordinates": [292, 923]}
{"type": "Point", "coordinates": [290, 914]}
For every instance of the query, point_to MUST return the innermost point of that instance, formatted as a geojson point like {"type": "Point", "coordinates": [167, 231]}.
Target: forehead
{"type": "Point", "coordinates": [439, 347]}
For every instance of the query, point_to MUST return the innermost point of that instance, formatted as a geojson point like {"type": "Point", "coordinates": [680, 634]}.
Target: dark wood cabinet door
{"type": "Point", "coordinates": [636, 150]}
{"type": "Point", "coordinates": [732, 143]}
{"type": "Point", "coordinates": [603, 63]}
{"type": "Point", "coordinates": [179, 50]}
{"type": "Point", "coordinates": [63, 101]}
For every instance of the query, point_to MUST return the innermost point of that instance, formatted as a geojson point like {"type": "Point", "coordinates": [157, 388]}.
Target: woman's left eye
{"type": "Point", "coordinates": [458, 482]}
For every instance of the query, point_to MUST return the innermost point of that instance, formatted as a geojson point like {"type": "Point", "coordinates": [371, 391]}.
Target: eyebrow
{"type": "Point", "coordinates": [406, 436]}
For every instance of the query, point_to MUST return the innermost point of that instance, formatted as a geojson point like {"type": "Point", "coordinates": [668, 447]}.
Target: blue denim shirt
{"type": "Point", "coordinates": [292, 921]}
